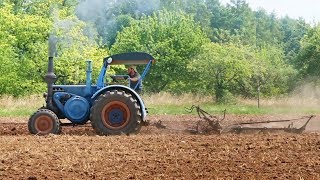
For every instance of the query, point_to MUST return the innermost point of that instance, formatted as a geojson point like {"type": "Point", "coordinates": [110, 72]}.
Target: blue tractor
{"type": "Point", "coordinates": [112, 109]}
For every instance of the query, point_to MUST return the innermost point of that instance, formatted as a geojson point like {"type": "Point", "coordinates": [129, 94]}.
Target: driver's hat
{"type": "Point", "coordinates": [133, 67]}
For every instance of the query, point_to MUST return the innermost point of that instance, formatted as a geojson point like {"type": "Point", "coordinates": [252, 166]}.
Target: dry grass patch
{"type": "Point", "coordinates": [10, 102]}
{"type": "Point", "coordinates": [169, 99]}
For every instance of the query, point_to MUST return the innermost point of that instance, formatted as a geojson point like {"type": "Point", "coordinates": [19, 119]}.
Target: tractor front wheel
{"type": "Point", "coordinates": [44, 122]}
{"type": "Point", "coordinates": [114, 113]}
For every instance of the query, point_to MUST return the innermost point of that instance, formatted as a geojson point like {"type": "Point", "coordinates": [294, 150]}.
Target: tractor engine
{"type": "Point", "coordinates": [73, 107]}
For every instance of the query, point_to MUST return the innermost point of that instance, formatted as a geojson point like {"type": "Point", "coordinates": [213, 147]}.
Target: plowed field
{"type": "Point", "coordinates": [170, 153]}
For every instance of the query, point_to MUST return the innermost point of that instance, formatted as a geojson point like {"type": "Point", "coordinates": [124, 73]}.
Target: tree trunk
{"type": "Point", "coordinates": [219, 88]}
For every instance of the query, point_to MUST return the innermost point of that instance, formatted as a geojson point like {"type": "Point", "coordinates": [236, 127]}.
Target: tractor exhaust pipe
{"type": "Point", "coordinates": [88, 77]}
{"type": "Point", "coordinates": [50, 77]}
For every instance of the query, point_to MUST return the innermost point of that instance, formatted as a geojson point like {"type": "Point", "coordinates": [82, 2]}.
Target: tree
{"type": "Point", "coordinates": [268, 31]}
{"type": "Point", "coordinates": [307, 61]}
{"type": "Point", "coordinates": [293, 32]}
{"type": "Point", "coordinates": [8, 58]}
{"type": "Point", "coordinates": [225, 69]}
{"type": "Point", "coordinates": [173, 38]}
{"type": "Point", "coordinates": [25, 33]}
{"type": "Point", "coordinates": [240, 21]}
{"type": "Point", "coordinates": [272, 74]}
{"type": "Point", "coordinates": [24, 39]}
{"type": "Point", "coordinates": [220, 69]}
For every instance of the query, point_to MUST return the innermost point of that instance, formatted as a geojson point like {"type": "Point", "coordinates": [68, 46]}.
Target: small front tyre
{"type": "Point", "coordinates": [44, 122]}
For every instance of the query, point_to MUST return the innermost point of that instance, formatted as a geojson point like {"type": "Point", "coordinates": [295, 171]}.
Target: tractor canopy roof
{"type": "Point", "coordinates": [129, 58]}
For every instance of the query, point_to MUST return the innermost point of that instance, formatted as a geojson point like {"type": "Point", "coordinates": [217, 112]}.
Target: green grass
{"type": "Point", "coordinates": [16, 112]}
{"type": "Point", "coordinates": [208, 107]}
{"type": "Point", "coordinates": [159, 104]}
{"type": "Point", "coordinates": [231, 109]}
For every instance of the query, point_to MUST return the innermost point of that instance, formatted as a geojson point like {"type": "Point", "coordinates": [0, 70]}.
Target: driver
{"type": "Point", "coordinates": [134, 79]}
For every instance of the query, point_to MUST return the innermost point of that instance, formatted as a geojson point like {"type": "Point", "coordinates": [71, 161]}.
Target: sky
{"type": "Point", "coordinates": [307, 9]}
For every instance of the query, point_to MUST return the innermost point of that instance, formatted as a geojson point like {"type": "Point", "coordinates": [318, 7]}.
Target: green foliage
{"type": "Point", "coordinates": [240, 20]}
{"type": "Point", "coordinates": [8, 67]}
{"type": "Point", "coordinates": [173, 38]}
{"type": "Point", "coordinates": [293, 32]}
{"type": "Point", "coordinates": [272, 75]}
{"type": "Point", "coordinates": [226, 70]}
{"type": "Point", "coordinates": [74, 48]}
{"type": "Point", "coordinates": [26, 34]}
{"type": "Point", "coordinates": [308, 60]}
{"type": "Point", "coordinates": [41, 8]}
{"type": "Point", "coordinates": [200, 46]}
{"type": "Point", "coordinates": [221, 69]}
{"type": "Point", "coordinates": [24, 38]}
{"type": "Point", "coordinates": [268, 30]}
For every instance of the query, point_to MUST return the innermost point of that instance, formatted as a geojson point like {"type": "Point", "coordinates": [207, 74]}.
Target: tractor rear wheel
{"type": "Point", "coordinates": [114, 113]}
{"type": "Point", "coordinates": [44, 122]}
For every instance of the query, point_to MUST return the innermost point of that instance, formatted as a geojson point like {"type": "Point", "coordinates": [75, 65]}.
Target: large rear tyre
{"type": "Point", "coordinates": [44, 122]}
{"type": "Point", "coordinates": [115, 113]}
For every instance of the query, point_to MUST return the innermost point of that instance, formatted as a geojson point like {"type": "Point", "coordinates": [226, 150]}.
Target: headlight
{"type": "Point", "coordinates": [109, 60]}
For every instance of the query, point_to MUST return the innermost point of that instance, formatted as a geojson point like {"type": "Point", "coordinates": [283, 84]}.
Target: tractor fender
{"type": "Point", "coordinates": [126, 89]}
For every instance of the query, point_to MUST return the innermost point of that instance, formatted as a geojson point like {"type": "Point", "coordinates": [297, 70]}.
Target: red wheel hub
{"type": "Point", "coordinates": [44, 124]}
{"type": "Point", "coordinates": [115, 115]}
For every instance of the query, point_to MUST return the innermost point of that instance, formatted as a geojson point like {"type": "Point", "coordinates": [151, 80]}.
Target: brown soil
{"type": "Point", "coordinates": [170, 153]}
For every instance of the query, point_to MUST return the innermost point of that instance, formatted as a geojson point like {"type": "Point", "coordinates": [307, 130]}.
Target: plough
{"type": "Point", "coordinates": [210, 124]}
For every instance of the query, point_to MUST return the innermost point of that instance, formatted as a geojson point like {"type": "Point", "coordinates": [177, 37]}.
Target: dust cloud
{"type": "Point", "coordinates": [307, 95]}
{"type": "Point", "coordinates": [305, 100]}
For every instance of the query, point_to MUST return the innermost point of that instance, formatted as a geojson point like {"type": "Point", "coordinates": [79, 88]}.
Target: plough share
{"type": "Point", "coordinates": [210, 124]}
